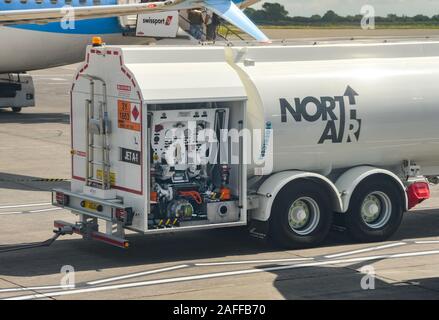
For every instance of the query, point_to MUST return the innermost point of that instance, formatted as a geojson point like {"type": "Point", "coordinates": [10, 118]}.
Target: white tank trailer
{"type": "Point", "coordinates": [286, 140]}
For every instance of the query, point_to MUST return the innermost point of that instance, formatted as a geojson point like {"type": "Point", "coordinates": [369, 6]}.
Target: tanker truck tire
{"type": "Point", "coordinates": [375, 212]}
{"type": "Point", "coordinates": [301, 215]}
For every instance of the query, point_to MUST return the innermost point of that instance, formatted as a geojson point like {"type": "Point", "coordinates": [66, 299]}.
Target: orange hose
{"type": "Point", "coordinates": [193, 194]}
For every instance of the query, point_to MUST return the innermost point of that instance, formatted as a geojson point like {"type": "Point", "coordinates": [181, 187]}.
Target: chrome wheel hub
{"type": "Point", "coordinates": [376, 209]}
{"type": "Point", "coordinates": [304, 215]}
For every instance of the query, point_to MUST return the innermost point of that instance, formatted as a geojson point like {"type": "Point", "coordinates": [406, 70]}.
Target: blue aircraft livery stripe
{"type": "Point", "coordinates": [92, 26]}
{"type": "Point", "coordinates": [89, 26]}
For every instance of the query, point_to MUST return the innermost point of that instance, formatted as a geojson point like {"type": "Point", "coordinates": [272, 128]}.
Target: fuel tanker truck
{"type": "Point", "coordinates": [286, 140]}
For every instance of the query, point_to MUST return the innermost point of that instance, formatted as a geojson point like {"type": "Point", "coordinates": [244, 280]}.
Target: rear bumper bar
{"type": "Point", "coordinates": [108, 210]}
{"type": "Point", "coordinates": [87, 232]}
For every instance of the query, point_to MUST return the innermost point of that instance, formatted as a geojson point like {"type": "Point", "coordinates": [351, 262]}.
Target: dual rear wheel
{"type": "Point", "coordinates": [302, 213]}
{"type": "Point", "coordinates": [375, 211]}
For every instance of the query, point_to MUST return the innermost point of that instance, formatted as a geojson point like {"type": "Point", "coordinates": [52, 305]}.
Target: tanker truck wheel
{"type": "Point", "coordinates": [376, 211]}
{"type": "Point", "coordinates": [301, 215]}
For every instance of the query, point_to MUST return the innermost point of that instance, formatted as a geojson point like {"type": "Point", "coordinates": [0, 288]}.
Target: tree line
{"type": "Point", "coordinates": [276, 14]}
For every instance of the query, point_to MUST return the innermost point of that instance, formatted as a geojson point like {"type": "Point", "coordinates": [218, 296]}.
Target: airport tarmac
{"type": "Point", "coordinates": [358, 33]}
{"type": "Point", "coordinates": [219, 264]}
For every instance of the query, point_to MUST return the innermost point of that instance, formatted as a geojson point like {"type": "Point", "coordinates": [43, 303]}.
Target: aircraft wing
{"type": "Point", "coordinates": [225, 8]}
{"type": "Point", "coordinates": [230, 12]}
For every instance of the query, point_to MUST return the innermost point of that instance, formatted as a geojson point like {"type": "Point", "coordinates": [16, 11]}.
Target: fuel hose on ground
{"type": "Point", "coordinates": [57, 233]}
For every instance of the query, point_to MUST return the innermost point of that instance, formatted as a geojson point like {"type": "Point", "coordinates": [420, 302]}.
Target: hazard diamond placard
{"type": "Point", "coordinates": [128, 115]}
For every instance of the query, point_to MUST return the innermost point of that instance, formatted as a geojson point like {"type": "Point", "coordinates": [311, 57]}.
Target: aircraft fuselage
{"type": "Point", "coordinates": [37, 46]}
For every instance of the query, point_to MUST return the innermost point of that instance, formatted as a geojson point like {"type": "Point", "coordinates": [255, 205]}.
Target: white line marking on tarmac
{"type": "Point", "coordinates": [365, 250]}
{"type": "Point", "coordinates": [137, 274]}
{"type": "Point", "coordinates": [218, 275]}
{"type": "Point", "coordinates": [50, 76]}
{"type": "Point", "coordinates": [26, 205]}
{"type": "Point", "coordinates": [427, 242]}
{"type": "Point", "coordinates": [36, 288]}
{"type": "Point", "coordinates": [11, 212]}
{"type": "Point", "coordinates": [43, 210]}
{"type": "Point", "coordinates": [30, 211]}
{"type": "Point", "coordinates": [49, 120]}
{"type": "Point", "coordinates": [249, 262]}
{"type": "Point", "coordinates": [424, 208]}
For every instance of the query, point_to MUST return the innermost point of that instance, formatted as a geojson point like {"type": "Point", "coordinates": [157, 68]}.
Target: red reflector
{"type": "Point", "coordinates": [61, 198]}
{"type": "Point", "coordinates": [417, 192]}
{"type": "Point", "coordinates": [120, 214]}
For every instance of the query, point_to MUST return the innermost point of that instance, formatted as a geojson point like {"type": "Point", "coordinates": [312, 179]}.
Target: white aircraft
{"type": "Point", "coordinates": [33, 37]}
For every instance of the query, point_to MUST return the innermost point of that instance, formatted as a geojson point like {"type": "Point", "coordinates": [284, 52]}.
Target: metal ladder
{"type": "Point", "coordinates": [97, 126]}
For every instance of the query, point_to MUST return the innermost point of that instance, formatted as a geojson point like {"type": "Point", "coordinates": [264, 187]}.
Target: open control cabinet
{"type": "Point", "coordinates": [195, 163]}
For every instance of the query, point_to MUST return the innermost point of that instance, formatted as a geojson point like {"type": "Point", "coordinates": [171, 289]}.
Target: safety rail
{"type": "Point", "coordinates": [229, 30]}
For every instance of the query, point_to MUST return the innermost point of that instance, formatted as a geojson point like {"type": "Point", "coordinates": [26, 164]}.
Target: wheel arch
{"type": "Point", "coordinates": [271, 187]}
{"type": "Point", "coordinates": [352, 178]}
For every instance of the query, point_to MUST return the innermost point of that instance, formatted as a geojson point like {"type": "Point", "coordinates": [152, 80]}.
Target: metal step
{"type": "Point", "coordinates": [99, 147]}
{"type": "Point", "coordinates": [99, 163]}
{"type": "Point", "coordinates": [95, 181]}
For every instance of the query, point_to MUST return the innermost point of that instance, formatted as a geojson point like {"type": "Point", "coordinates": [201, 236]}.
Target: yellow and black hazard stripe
{"type": "Point", "coordinates": [163, 223]}
{"type": "Point", "coordinates": [52, 180]}
{"type": "Point", "coordinates": [34, 180]}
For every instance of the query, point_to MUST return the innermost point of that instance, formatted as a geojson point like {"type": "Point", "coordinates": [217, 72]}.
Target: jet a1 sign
{"type": "Point", "coordinates": [160, 25]}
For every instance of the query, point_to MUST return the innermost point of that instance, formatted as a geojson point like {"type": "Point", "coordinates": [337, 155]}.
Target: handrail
{"type": "Point", "coordinates": [229, 30]}
{"type": "Point", "coordinates": [187, 20]}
